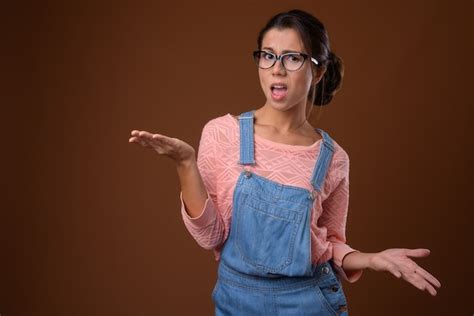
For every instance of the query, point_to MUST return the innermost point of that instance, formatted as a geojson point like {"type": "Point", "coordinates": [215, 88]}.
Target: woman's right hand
{"type": "Point", "coordinates": [176, 149]}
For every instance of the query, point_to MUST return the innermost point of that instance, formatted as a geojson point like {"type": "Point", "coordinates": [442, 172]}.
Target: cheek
{"type": "Point", "coordinates": [303, 82]}
{"type": "Point", "coordinates": [263, 81]}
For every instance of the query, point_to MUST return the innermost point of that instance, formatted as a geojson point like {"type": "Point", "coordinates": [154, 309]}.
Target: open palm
{"type": "Point", "coordinates": [174, 148]}
{"type": "Point", "coordinates": [397, 262]}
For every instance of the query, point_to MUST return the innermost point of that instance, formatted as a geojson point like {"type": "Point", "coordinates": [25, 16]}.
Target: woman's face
{"type": "Point", "coordinates": [297, 83]}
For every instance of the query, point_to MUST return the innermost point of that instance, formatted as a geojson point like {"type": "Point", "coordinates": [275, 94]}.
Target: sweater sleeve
{"type": "Point", "coordinates": [207, 228]}
{"type": "Point", "coordinates": [334, 217]}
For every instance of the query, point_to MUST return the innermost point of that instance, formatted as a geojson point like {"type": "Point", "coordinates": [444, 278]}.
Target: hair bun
{"type": "Point", "coordinates": [331, 56]}
{"type": "Point", "coordinates": [331, 81]}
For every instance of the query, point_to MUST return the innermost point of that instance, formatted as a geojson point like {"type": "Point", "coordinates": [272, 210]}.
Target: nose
{"type": "Point", "coordinates": [278, 68]}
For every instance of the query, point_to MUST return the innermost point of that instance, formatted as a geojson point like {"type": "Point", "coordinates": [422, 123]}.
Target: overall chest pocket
{"type": "Point", "coordinates": [265, 233]}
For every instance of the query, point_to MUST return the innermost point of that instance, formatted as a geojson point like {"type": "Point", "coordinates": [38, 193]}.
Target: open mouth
{"type": "Point", "coordinates": [279, 91]}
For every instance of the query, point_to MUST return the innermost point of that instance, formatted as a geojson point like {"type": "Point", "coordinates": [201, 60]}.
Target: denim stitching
{"type": "Point", "coordinates": [325, 301]}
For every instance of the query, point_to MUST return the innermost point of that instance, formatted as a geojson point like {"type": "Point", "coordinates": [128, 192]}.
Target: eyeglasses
{"type": "Point", "coordinates": [290, 61]}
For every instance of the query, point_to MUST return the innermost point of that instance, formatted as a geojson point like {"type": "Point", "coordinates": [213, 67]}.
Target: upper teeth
{"type": "Point", "coordinates": [277, 86]}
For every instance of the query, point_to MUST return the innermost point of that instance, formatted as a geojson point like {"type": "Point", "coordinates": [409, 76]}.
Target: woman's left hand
{"type": "Point", "coordinates": [396, 261]}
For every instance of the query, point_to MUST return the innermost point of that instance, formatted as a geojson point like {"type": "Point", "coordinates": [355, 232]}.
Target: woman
{"type": "Point", "coordinates": [268, 192]}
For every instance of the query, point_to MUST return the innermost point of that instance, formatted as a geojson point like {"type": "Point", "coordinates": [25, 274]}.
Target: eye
{"type": "Point", "coordinates": [295, 58]}
{"type": "Point", "coordinates": [268, 56]}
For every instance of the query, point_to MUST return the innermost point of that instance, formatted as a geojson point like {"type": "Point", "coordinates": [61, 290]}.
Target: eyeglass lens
{"type": "Point", "coordinates": [291, 61]}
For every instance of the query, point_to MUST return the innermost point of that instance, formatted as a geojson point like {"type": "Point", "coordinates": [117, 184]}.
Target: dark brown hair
{"type": "Point", "coordinates": [316, 42]}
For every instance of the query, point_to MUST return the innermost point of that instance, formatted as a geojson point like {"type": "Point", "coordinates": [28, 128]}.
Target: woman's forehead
{"type": "Point", "coordinates": [280, 40]}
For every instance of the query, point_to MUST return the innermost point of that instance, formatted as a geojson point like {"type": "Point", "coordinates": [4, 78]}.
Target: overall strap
{"type": "Point", "coordinates": [246, 138]}
{"type": "Point", "coordinates": [324, 159]}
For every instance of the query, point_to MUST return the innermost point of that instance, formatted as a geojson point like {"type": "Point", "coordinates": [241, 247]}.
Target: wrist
{"type": "Point", "coordinates": [370, 260]}
{"type": "Point", "coordinates": [185, 163]}
{"type": "Point", "coordinates": [357, 260]}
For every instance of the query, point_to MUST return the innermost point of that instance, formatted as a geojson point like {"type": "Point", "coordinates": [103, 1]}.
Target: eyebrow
{"type": "Point", "coordinates": [283, 52]}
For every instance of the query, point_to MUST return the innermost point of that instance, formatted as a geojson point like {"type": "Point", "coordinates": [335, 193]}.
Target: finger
{"type": "Point", "coordinates": [145, 134]}
{"type": "Point", "coordinates": [135, 132]}
{"type": "Point", "coordinates": [135, 140]}
{"type": "Point", "coordinates": [139, 141]}
{"type": "Point", "coordinates": [146, 139]}
{"type": "Point", "coordinates": [420, 252]}
{"type": "Point", "coordinates": [425, 286]}
{"type": "Point", "coordinates": [419, 282]}
{"type": "Point", "coordinates": [432, 291]}
{"type": "Point", "coordinates": [157, 140]}
{"type": "Point", "coordinates": [159, 137]}
{"type": "Point", "coordinates": [162, 138]}
{"type": "Point", "coordinates": [425, 274]}
{"type": "Point", "coordinates": [394, 271]}
{"type": "Point", "coordinates": [416, 280]}
{"type": "Point", "coordinates": [429, 288]}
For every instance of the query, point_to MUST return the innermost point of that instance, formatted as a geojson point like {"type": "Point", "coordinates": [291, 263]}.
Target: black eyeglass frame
{"type": "Point", "coordinates": [279, 57]}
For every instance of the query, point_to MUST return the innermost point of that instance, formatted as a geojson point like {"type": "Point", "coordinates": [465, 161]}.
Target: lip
{"type": "Point", "coordinates": [279, 84]}
{"type": "Point", "coordinates": [278, 97]}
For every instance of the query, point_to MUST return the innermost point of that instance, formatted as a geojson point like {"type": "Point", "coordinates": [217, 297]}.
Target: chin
{"type": "Point", "coordinates": [280, 105]}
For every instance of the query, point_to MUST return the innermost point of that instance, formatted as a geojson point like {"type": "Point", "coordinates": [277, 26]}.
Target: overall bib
{"type": "Point", "coordinates": [265, 266]}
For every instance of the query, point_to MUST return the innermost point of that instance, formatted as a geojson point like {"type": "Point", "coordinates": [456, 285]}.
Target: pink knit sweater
{"type": "Point", "coordinates": [217, 160]}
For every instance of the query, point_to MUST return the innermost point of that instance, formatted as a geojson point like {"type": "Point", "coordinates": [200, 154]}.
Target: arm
{"type": "Point", "coordinates": [334, 218]}
{"type": "Point", "coordinates": [350, 263]}
{"type": "Point", "coordinates": [397, 262]}
{"type": "Point", "coordinates": [193, 193]}
{"type": "Point", "coordinates": [198, 194]}
{"type": "Point", "coordinates": [197, 180]}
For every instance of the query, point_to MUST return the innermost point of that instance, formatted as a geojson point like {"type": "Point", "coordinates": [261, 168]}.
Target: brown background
{"type": "Point", "coordinates": [90, 224]}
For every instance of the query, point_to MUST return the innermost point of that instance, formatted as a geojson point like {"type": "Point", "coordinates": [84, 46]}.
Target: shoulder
{"type": "Point", "coordinates": [223, 124]}
{"type": "Point", "coordinates": [220, 130]}
{"type": "Point", "coordinates": [221, 121]}
{"type": "Point", "coordinates": [339, 166]}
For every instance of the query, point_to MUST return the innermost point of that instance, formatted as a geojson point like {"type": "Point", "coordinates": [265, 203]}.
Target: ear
{"type": "Point", "coordinates": [318, 73]}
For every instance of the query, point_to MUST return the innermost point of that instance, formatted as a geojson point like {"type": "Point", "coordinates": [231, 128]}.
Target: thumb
{"type": "Point", "coordinates": [420, 252]}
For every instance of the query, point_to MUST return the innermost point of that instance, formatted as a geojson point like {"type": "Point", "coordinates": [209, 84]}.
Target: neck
{"type": "Point", "coordinates": [285, 122]}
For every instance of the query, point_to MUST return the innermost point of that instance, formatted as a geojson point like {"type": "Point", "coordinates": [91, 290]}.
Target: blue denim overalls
{"type": "Point", "coordinates": [265, 266]}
